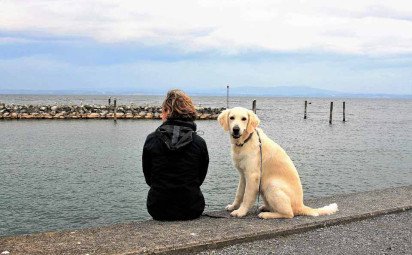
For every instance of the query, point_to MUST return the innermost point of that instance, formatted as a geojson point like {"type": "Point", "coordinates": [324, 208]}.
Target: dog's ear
{"type": "Point", "coordinates": [223, 119]}
{"type": "Point", "coordinates": [253, 122]}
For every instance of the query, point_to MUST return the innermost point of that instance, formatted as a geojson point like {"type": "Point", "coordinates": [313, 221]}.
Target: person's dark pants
{"type": "Point", "coordinates": [175, 207]}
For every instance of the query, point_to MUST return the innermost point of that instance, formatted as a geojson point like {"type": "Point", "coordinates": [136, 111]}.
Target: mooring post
{"type": "Point", "coordinates": [344, 111]}
{"type": "Point", "coordinates": [227, 97]}
{"type": "Point", "coordinates": [330, 114]}
{"type": "Point", "coordinates": [306, 107]}
{"type": "Point", "coordinates": [110, 99]}
{"type": "Point", "coordinates": [254, 106]}
{"type": "Point", "coordinates": [115, 109]}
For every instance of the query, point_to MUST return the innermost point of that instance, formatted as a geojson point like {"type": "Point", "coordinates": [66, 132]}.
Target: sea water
{"type": "Point", "coordinates": [67, 174]}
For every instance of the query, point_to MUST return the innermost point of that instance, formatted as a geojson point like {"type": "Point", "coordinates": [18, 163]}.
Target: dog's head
{"type": "Point", "coordinates": [238, 121]}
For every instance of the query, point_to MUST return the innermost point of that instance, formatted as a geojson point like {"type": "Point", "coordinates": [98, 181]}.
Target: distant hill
{"type": "Point", "coordinates": [280, 91]}
{"type": "Point", "coordinates": [285, 91]}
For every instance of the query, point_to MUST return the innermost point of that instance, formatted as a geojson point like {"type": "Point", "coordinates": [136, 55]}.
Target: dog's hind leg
{"type": "Point", "coordinates": [279, 203]}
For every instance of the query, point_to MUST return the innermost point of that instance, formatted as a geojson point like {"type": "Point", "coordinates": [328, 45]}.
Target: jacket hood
{"type": "Point", "coordinates": [176, 133]}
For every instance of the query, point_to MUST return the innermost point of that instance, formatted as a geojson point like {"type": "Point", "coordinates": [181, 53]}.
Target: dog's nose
{"type": "Point", "coordinates": [236, 130]}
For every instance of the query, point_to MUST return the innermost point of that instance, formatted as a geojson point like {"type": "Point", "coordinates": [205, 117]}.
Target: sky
{"type": "Point", "coordinates": [349, 46]}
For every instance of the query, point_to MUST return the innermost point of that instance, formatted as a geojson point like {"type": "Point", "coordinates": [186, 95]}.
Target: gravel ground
{"type": "Point", "coordinates": [388, 234]}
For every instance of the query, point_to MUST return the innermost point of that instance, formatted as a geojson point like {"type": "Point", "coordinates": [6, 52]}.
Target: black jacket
{"type": "Point", "coordinates": [175, 162]}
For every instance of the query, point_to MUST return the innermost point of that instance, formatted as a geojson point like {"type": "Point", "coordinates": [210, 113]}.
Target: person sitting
{"type": "Point", "coordinates": [175, 162]}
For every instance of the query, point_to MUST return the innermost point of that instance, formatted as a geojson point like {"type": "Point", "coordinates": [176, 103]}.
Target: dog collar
{"type": "Point", "coordinates": [245, 141]}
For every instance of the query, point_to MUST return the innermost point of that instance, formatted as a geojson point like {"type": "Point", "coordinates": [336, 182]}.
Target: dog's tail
{"type": "Point", "coordinates": [326, 210]}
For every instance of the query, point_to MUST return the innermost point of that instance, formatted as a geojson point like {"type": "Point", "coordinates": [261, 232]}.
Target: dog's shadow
{"type": "Point", "coordinates": [253, 213]}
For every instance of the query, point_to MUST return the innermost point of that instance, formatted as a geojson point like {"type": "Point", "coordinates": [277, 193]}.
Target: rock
{"type": "Point", "coordinates": [149, 116]}
{"type": "Point", "coordinates": [129, 116]}
{"type": "Point", "coordinates": [47, 116]}
{"type": "Point", "coordinates": [143, 113]}
{"type": "Point", "coordinates": [43, 108]}
{"type": "Point", "coordinates": [13, 115]}
{"type": "Point", "coordinates": [157, 115]}
{"type": "Point", "coordinates": [120, 115]}
{"type": "Point", "coordinates": [93, 116]}
{"type": "Point", "coordinates": [54, 108]}
{"type": "Point", "coordinates": [205, 116]}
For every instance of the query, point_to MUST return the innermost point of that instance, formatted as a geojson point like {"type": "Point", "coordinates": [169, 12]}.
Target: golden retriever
{"type": "Point", "coordinates": [281, 188]}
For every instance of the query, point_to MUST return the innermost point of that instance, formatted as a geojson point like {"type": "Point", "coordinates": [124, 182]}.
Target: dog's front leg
{"type": "Point", "coordinates": [239, 194]}
{"type": "Point", "coordinates": [249, 197]}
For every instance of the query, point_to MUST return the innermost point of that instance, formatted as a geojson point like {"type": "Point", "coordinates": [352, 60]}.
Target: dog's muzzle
{"type": "Point", "coordinates": [236, 132]}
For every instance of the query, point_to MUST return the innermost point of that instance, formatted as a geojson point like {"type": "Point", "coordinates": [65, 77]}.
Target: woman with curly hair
{"type": "Point", "coordinates": [175, 162]}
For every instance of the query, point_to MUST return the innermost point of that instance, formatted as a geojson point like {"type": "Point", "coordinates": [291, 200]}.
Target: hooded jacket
{"type": "Point", "coordinates": [175, 162]}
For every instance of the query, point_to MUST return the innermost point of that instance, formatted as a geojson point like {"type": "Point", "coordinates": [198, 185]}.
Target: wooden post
{"type": "Point", "coordinates": [254, 106]}
{"type": "Point", "coordinates": [330, 114]}
{"type": "Point", "coordinates": [306, 107]}
{"type": "Point", "coordinates": [110, 99]}
{"type": "Point", "coordinates": [344, 111]}
{"type": "Point", "coordinates": [227, 97]}
{"type": "Point", "coordinates": [115, 109]}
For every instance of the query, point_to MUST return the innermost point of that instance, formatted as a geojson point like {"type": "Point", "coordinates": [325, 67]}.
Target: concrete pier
{"type": "Point", "coordinates": [208, 232]}
{"type": "Point", "coordinates": [387, 234]}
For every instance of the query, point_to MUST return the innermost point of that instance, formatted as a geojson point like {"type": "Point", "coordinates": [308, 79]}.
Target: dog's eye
{"type": "Point", "coordinates": [243, 118]}
{"type": "Point", "coordinates": [232, 117]}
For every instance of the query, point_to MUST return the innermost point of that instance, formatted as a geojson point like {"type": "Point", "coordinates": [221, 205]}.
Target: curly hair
{"type": "Point", "coordinates": [178, 105]}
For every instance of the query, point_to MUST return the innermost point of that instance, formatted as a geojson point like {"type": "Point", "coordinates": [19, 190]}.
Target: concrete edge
{"type": "Point", "coordinates": [271, 234]}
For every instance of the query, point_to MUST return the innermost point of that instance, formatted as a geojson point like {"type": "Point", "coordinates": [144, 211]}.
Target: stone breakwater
{"type": "Point", "coordinates": [11, 112]}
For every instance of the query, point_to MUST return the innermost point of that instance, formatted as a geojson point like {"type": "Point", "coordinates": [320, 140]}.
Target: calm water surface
{"type": "Point", "coordinates": [66, 174]}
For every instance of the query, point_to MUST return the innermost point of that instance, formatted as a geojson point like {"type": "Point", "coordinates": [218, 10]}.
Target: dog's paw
{"type": "Point", "coordinates": [238, 213]}
{"type": "Point", "coordinates": [231, 207]}
{"type": "Point", "coordinates": [264, 215]}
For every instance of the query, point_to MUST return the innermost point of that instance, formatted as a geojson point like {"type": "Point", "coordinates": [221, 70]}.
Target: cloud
{"type": "Point", "coordinates": [372, 27]}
